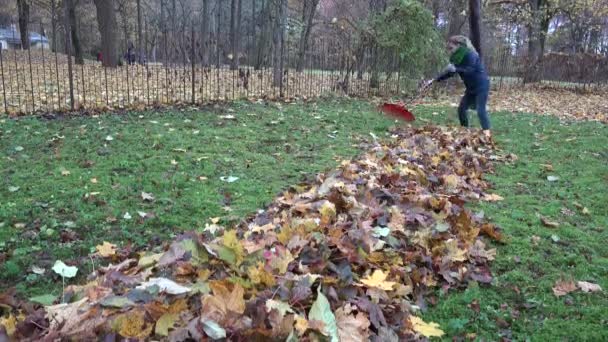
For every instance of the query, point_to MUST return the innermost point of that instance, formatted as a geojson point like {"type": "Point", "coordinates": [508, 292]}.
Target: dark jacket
{"type": "Point", "coordinates": [472, 72]}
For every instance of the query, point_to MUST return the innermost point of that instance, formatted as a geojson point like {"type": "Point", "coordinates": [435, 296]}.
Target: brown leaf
{"type": "Point", "coordinates": [563, 287]}
{"type": "Point", "coordinates": [352, 327]}
{"type": "Point", "coordinates": [548, 223]}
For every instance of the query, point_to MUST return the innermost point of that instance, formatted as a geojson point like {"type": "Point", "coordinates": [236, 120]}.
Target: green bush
{"type": "Point", "coordinates": [408, 28]}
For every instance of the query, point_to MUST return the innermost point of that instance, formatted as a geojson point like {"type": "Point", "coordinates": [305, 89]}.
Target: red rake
{"type": "Point", "coordinates": [399, 110]}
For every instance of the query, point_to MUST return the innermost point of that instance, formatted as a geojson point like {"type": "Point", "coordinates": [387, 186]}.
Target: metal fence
{"type": "Point", "coordinates": [40, 80]}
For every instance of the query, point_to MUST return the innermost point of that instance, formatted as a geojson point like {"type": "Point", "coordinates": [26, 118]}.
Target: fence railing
{"type": "Point", "coordinates": [39, 80]}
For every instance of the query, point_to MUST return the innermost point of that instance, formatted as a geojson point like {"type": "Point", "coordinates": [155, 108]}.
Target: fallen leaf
{"type": "Point", "coordinates": [38, 270]}
{"type": "Point", "coordinates": [116, 302]}
{"type": "Point", "coordinates": [563, 287]}
{"type": "Point", "coordinates": [164, 323]}
{"type": "Point", "coordinates": [213, 330]}
{"type": "Point", "coordinates": [165, 285]}
{"type": "Point", "coordinates": [425, 329]}
{"type": "Point", "coordinates": [589, 287]}
{"type": "Point", "coordinates": [548, 223]}
{"type": "Point", "coordinates": [585, 211]}
{"type": "Point", "coordinates": [106, 249]}
{"type": "Point", "coordinates": [492, 198]}
{"type": "Point", "coordinates": [321, 311]}
{"type": "Point", "coordinates": [127, 216]}
{"type": "Point", "coordinates": [229, 179]}
{"type": "Point", "coordinates": [64, 270]}
{"type": "Point", "coordinates": [10, 324]}
{"type": "Point", "coordinates": [132, 325]}
{"type": "Point", "coordinates": [13, 188]}
{"type": "Point", "coordinates": [46, 300]}
{"type": "Point", "coordinates": [147, 196]}
{"type": "Point", "coordinates": [378, 280]}
{"type": "Point", "coordinates": [281, 307]}
{"type": "Point", "coordinates": [109, 138]}
{"type": "Point", "coordinates": [65, 172]}
{"type": "Point", "coordinates": [552, 178]}
{"type": "Point", "coordinates": [352, 327]}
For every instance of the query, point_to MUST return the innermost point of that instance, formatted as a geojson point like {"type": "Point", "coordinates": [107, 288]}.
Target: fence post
{"type": "Point", "coordinates": [193, 66]}
{"type": "Point", "coordinates": [68, 48]}
{"type": "Point", "coordinates": [29, 60]}
{"type": "Point", "coordinates": [3, 84]}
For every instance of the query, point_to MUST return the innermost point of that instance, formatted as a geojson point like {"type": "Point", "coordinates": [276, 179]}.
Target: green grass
{"type": "Point", "coordinates": [520, 303]}
{"type": "Point", "coordinates": [270, 148]}
{"type": "Point", "coordinates": [267, 147]}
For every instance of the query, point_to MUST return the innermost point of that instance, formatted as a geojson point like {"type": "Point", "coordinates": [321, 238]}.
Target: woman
{"type": "Point", "coordinates": [465, 61]}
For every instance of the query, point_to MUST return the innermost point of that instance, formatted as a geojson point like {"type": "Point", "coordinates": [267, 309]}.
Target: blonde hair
{"type": "Point", "coordinates": [462, 41]}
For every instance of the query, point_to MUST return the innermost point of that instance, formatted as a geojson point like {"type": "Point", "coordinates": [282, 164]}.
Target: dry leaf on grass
{"type": "Point", "coordinates": [589, 287]}
{"type": "Point", "coordinates": [563, 287]}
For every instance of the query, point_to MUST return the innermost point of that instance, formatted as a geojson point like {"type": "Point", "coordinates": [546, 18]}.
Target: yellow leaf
{"type": "Point", "coordinates": [9, 323]}
{"type": "Point", "coordinates": [451, 181]}
{"type": "Point", "coordinates": [378, 280]}
{"type": "Point", "coordinates": [231, 241]}
{"type": "Point", "coordinates": [165, 322]}
{"type": "Point", "coordinates": [106, 249]}
{"type": "Point", "coordinates": [426, 329]}
{"type": "Point", "coordinates": [259, 275]}
{"type": "Point", "coordinates": [132, 325]}
{"type": "Point", "coordinates": [328, 212]}
{"type": "Point", "coordinates": [453, 252]}
{"type": "Point", "coordinates": [301, 325]}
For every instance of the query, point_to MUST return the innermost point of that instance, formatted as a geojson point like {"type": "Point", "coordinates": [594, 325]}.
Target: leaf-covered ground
{"type": "Point", "coordinates": [539, 258]}
{"type": "Point", "coordinates": [591, 105]}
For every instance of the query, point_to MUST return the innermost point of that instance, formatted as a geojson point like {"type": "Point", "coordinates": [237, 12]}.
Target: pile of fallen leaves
{"type": "Point", "coordinates": [355, 256]}
{"type": "Point", "coordinates": [563, 103]}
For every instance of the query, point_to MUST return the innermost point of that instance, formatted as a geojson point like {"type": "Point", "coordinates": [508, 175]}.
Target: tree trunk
{"type": "Point", "coordinates": [456, 20]}
{"type": "Point", "coordinates": [23, 8]}
{"type": "Point", "coordinates": [537, 32]}
{"type": "Point", "coordinates": [140, 46]}
{"type": "Point", "coordinates": [278, 39]}
{"type": "Point", "coordinates": [475, 24]}
{"type": "Point", "coordinates": [205, 33]}
{"type": "Point", "coordinates": [106, 19]}
{"type": "Point", "coordinates": [78, 55]}
{"type": "Point", "coordinates": [308, 14]}
{"type": "Point", "coordinates": [237, 42]}
{"type": "Point", "coordinates": [54, 25]}
{"type": "Point", "coordinates": [266, 21]}
{"type": "Point", "coordinates": [375, 7]}
{"type": "Point", "coordinates": [233, 52]}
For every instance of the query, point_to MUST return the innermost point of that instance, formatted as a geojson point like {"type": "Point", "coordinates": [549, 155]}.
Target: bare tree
{"type": "Point", "coordinates": [106, 19]}
{"type": "Point", "coordinates": [233, 34]}
{"type": "Point", "coordinates": [206, 21]}
{"type": "Point", "coordinates": [309, 8]}
{"type": "Point", "coordinates": [475, 24]}
{"type": "Point", "coordinates": [278, 40]}
{"type": "Point", "coordinates": [74, 32]}
{"type": "Point", "coordinates": [140, 47]}
{"type": "Point", "coordinates": [23, 8]}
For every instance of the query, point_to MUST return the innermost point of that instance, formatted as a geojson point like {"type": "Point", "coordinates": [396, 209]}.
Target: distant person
{"type": "Point", "coordinates": [465, 61]}
{"type": "Point", "coordinates": [99, 57]}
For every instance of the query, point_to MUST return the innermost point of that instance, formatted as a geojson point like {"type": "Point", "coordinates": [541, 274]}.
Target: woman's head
{"type": "Point", "coordinates": [455, 42]}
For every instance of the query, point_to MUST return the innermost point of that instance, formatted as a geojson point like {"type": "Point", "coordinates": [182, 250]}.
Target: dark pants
{"type": "Point", "coordinates": [479, 101]}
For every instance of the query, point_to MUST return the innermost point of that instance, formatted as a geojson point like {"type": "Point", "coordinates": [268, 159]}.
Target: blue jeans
{"type": "Point", "coordinates": [479, 101]}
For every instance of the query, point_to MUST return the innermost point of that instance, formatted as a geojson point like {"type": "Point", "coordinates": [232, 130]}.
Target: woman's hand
{"type": "Point", "coordinates": [427, 84]}
{"type": "Point", "coordinates": [450, 68]}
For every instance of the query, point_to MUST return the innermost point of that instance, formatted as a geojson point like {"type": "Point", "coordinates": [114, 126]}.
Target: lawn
{"type": "Point", "coordinates": [68, 184]}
